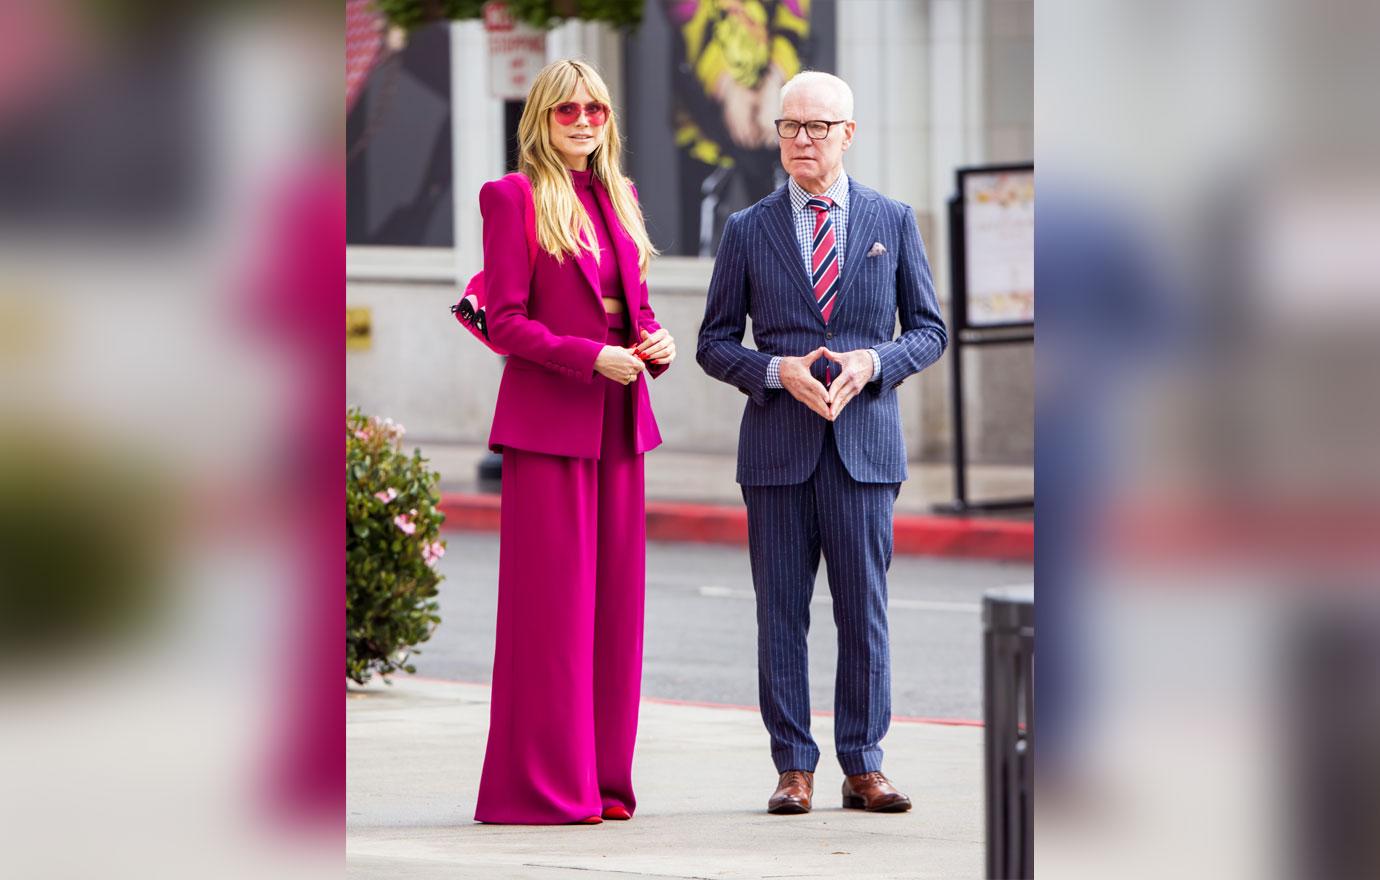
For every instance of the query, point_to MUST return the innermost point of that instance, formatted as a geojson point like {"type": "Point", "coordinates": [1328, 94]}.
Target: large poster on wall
{"type": "Point", "coordinates": [703, 80]}
{"type": "Point", "coordinates": [398, 161]}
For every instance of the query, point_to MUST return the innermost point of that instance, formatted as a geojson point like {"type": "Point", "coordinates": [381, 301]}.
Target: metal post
{"type": "Point", "coordinates": [957, 304]}
{"type": "Point", "coordinates": [1008, 708]}
{"type": "Point", "coordinates": [477, 151]}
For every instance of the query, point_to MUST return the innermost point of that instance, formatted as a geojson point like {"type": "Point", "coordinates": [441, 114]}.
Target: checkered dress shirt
{"type": "Point", "coordinates": [805, 233]}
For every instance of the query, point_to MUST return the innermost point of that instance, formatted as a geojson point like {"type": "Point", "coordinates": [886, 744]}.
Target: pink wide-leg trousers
{"type": "Point", "coordinates": [568, 655]}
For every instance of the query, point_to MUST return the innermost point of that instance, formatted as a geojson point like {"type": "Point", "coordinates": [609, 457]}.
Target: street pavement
{"type": "Point", "coordinates": [701, 627]}
{"type": "Point", "coordinates": [414, 756]}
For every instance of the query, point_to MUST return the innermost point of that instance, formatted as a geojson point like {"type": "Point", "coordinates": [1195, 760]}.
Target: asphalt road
{"type": "Point", "coordinates": [701, 629]}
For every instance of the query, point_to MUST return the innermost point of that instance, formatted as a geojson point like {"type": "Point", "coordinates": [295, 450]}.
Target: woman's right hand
{"type": "Point", "coordinates": [618, 364]}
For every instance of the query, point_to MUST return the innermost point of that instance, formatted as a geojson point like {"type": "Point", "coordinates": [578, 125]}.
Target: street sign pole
{"type": "Point", "coordinates": [515, 53]}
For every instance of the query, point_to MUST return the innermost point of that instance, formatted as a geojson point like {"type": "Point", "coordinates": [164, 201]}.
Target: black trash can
{"type": "Point", "coordinates": [1008, 711]}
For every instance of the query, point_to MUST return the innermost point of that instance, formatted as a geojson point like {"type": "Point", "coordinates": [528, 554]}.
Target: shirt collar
{"type": "Point", "coordinates": [838, 192]}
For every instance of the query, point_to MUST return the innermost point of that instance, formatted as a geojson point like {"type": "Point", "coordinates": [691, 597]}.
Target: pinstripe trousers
{"type": "Point", "coordinates": [788, 528]}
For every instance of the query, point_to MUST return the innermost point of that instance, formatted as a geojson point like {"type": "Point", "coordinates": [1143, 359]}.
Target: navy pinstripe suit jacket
{"type": "Point", "coordinates": [759, 274]}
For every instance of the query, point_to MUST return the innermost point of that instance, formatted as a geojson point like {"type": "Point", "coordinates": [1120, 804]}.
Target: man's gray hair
{"type": "Point", "coordinates": [818, 80]}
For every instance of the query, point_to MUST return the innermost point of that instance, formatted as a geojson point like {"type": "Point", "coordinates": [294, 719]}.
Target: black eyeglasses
{"type": "Point", "coordinates": [817, 129]}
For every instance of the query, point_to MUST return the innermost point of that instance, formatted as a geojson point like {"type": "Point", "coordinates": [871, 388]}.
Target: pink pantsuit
{"type": "Point", "coordinates": [568, 653]}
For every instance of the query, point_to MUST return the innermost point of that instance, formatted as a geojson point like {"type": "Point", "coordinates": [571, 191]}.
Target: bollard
{"type": "Point", "coordinates": [1008, 711]}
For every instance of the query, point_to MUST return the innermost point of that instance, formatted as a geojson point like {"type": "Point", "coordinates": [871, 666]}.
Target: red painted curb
{"type": "Point", "coordinates": [724, 524]}
{"type": "Point", "coordinates": [967, 538]}
{"type": "Point", "coordinates": [469, 513]}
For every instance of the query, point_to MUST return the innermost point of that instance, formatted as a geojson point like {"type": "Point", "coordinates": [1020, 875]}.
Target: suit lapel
{"type": "Point", "coordinates": [590, 269]}
{"type": "Point", "coordinates": [862, 220]}
{"type": "Point", "coordinates": [781, 234]}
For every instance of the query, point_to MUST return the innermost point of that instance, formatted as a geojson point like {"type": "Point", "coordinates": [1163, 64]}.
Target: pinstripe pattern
{"type": "Point", "coordinates": [812, 487]}
{"type": "Point", "coordinates": [759, 273]}
{"type": "Point", "coordinates": [788, 527]}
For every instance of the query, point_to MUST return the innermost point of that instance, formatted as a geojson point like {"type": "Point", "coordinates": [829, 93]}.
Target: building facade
{"type": "Point", "coordinates": [938, 84]}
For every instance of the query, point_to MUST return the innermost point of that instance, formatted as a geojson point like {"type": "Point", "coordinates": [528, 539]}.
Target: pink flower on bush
{"type": "Point", "coordinates": [404, 522]}
{"type": "Point", "coordinates": [433, 552]}
{"type": "Point", "coordinates": [388, 496]}
{"type": "Point", "coordinates": [363, 434]}
{"type": "Point", "coordinates": [391, 429]}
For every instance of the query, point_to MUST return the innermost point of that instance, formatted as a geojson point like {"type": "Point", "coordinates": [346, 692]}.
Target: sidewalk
{"type": "Point", "coordinates": [703, 774]}
{"type": "Point", "coordinates": [693, 497]}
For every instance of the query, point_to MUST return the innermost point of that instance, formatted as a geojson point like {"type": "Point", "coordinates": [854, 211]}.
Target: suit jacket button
{"type": "Point", "coordinates": [828, 336]}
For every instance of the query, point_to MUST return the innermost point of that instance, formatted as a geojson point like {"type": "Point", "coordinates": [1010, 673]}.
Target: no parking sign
{"type": "Point", "coordinates": [517, 52]}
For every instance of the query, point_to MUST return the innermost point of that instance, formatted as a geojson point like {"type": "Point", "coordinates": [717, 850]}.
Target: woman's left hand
{"type": "Point", "coordinates": [657, 348]}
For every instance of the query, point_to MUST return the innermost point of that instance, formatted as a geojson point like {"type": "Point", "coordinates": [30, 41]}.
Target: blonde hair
{"type": "Point", "coordinates": [563, 225]}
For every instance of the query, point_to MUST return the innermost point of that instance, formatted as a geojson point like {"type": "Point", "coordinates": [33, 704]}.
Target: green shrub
{"type": "Point", "coordinates": [411, 14]}
{"type": "Point", "coordinates": [392, 545]}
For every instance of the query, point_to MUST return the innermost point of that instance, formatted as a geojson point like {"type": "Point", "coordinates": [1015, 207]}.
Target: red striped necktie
{"type": "Point", "coordinates": [824, 256]}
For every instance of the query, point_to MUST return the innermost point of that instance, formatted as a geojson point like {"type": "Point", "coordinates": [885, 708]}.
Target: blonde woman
{"type": "Point", "coordinates": [573, 420]}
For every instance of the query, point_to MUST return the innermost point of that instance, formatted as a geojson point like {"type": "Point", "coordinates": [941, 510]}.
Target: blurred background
{"type": "Point", "coordinates": [171, 218]}
{"type": "Point", "coordinates": [1207, 424]}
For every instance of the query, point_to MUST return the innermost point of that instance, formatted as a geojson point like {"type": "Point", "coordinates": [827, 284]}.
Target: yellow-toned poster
{"type": "Point", "coordinates": [999, 241]}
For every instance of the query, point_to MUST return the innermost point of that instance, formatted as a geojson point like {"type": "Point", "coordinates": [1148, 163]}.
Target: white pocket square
{"type": "Point", "coordinates": [877, 249]}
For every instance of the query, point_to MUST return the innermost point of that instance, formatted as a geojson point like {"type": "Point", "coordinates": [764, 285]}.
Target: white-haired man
{"type": "Point", "coordinates": [823, 267]}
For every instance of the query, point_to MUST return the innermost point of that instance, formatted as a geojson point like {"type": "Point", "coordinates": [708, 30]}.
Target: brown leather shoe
{"type": "Point", "coordinates": [793, 792]}
{"type": "Point", "coordinates": [873, 792]}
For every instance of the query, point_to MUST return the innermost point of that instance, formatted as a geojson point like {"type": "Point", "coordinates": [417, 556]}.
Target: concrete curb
{"type": "Point", "coordinates": [964, 538]}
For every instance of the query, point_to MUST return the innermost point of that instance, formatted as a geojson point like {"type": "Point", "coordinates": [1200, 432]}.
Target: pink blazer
{"type": "Point", "coordinates": [550, 318]}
